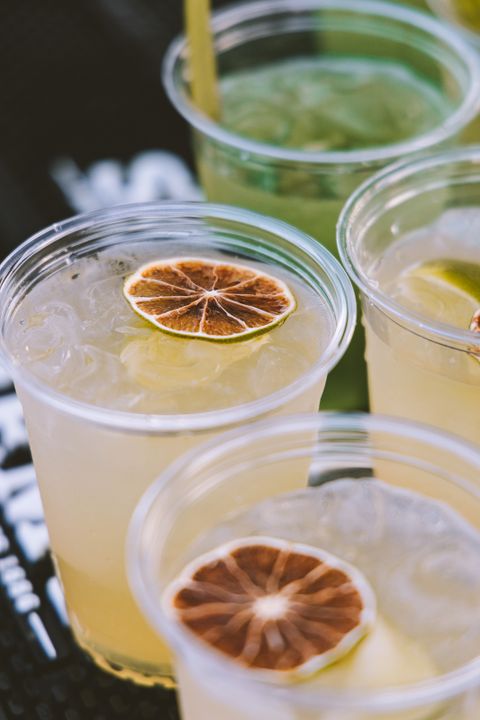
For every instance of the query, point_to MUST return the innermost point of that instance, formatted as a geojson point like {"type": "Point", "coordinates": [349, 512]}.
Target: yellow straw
{"type": "Point", "coordinates": [203, 70]}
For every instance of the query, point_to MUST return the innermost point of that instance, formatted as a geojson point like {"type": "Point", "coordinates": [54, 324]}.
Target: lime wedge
{"type": "Point", "coordinates": [447, 290]}
{"type": "Point", "coordinates": [456, 274]}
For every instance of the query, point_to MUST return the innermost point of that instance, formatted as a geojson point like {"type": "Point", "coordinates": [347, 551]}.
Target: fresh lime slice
{"type": "Point", "coordinates": [447, 290]}
{"type": "Point", "coordinates": [208, 299]}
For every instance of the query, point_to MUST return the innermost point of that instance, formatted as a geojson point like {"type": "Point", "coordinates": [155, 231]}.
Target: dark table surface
{"type": "Point", "coordinates": [84, 122]}
{"type": "Point", "coordinates": [79, 81]}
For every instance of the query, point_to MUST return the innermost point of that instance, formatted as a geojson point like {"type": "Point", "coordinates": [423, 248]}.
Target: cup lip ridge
{"type": "Point", "coordinates": [370, 157]}
{"type": "Point", "coordinates": [202, 421]}
{"type": "Point", "coordinates": [440, 688]}
{"type": "Point", "coordinates": [439, 332]}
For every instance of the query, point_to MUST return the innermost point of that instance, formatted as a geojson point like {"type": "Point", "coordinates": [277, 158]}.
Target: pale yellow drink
{"type": "Point", "coordinates": [410, 240]}
{"type": "Point", "coordinates": [409, 375]}
{"type": "Point", "coordinates": [419, 558]}
{"type": "Point", "coordinates": [110, 399]}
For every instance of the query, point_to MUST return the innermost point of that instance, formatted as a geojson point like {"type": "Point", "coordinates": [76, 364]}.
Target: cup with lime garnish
{"type": "Point", "coordinates": [314, 96]}
{"type": "Point", "coordinates": [134, 333]}
{"type": "Point", "coordinates": [410, 239]}
{"type": "Point", "coordinates": [352, 599]}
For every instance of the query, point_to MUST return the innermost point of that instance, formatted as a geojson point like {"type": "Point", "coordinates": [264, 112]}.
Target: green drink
{"type": "Point", "coordinates": [316, 96]}
{"type": "Point", "coordinates": [315, 105]}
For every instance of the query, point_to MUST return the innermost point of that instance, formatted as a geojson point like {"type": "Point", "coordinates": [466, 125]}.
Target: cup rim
{"type": "Point", "coordinates": [437, 689]}
{"type": "Point", "coordinates": [230, 16]}
{"type": "Point", "coordinates": [187, 422]}
{"type": "Point", "coordinates": [440, 332]}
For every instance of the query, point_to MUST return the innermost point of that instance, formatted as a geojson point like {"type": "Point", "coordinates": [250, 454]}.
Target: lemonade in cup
{"type": "Point", "coordinates": [131, 335]}
{"type": "Point", "coordinates": [351, 599]}
{"type": "Point", "coordinates": [410, 240]}
{"type": "Point", "coordinates": [316, 96]}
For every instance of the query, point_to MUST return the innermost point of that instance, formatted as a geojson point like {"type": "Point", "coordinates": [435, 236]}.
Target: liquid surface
{"type": "Point", "coordinates": [331, 104]}
{"type": "Point", "coordinates": [75, 332]}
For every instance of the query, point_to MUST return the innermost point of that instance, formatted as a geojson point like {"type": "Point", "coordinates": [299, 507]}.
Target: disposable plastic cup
{"type": "Point", "coordinates": [374, 501]}
{"type": "Point", "coordinates": [93, 462]}
{"type": "Point", "coordinates": [308, 188]}
{"type": "Point", "coordinates": [418, 368]}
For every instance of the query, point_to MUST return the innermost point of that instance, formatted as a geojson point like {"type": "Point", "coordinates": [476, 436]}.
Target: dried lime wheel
{"type": "Point", "coordinates": [281, 608]}
{"type": "Point", "coordinates": [208, 299]}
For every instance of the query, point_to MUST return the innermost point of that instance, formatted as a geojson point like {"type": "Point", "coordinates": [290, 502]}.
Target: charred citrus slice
{"type": "Point", "coordinates": [208, 299]}
{"type": "Point", "coordinates": [284, 609]}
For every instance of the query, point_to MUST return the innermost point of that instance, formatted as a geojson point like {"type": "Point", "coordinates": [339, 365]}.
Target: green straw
{"type": "Point", "coordinates": [203, 69]}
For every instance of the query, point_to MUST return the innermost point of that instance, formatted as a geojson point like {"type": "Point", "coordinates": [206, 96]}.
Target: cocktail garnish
{"type": "Point", "coordinates": [283, 609]}
{"type": "Point", "coordinates": [446, 289]}
{"type": "Point", "coordinates": [208, 299]}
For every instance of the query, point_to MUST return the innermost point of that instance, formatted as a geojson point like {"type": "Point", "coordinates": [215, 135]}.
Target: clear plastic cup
{"type": "Point", "coordinates": [94, 462]}
{"type": "Point", "coordinates": [305, 188]}
{"type": "Point", "coordinates": [418, 368]}
{"type": "Point", "coordinates": [372, 500]}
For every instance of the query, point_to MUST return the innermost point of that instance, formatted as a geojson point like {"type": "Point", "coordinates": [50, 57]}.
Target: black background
{"type": "Point", "coordinates": [78, 79]}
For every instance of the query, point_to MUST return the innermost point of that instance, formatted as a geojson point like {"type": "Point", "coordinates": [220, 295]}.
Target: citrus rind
{"type": "Point", "coordinates": [214, 300]}
{"type": "Point", "coordinates": [445, 289]}
{"type": "Point", "coordinates": [458, 275]}
{"type": "Point", "coordinates": [267, 629]}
